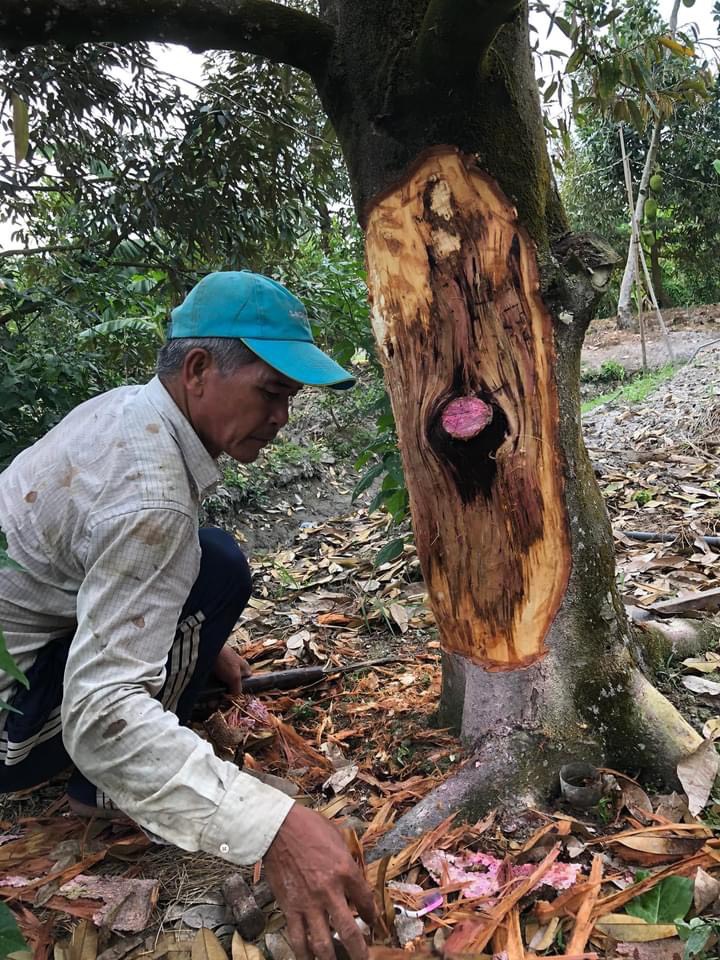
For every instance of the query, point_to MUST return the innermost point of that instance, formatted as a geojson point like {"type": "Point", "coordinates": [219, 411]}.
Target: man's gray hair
{"type": "Point", "coordinates": [228, 354]}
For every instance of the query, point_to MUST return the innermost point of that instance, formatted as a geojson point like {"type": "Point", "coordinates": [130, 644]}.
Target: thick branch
{"type": "Point", "coordinates": [269, 29]}
{"type": "Point", "coordinates": [456, 34]}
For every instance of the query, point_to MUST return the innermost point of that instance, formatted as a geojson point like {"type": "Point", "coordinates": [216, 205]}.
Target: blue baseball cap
{"type": "Point", "coordinates": [266, 317]}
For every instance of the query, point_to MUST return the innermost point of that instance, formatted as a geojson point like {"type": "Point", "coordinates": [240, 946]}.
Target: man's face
{"type": "Point", "coordinates": [241, 412]}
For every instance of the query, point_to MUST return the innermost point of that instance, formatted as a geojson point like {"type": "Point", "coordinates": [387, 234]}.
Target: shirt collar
{"type": "Point", "coordinates": [201, 466]}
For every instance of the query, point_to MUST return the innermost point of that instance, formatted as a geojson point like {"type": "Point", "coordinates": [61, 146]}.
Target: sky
{"type": "Point", "coordinates": [183, 64]}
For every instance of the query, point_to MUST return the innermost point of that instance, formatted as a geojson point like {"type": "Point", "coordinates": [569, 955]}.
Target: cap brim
{"type": "Point", "coordinates": [302, 361]}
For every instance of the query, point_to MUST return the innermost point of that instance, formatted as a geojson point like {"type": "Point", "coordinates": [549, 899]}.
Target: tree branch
{"type": "Point", "coordinates": [279, 33]}
{"type": "Point", "coordinates": [455, 35]}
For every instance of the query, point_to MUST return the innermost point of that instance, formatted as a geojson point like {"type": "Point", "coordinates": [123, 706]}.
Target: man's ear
{"type": "Point", "coordinates": [196, 368]}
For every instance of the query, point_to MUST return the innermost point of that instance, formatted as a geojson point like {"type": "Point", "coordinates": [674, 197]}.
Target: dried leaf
{"type": "Point", "coordinates": [650, 850]}
{"type": "Point", "coordinates": [206, 946]}
{"type": "Point", "coordinates": [707, 664]}
{"type": "Point", "coordinates": [671, 949]}
{"type": "Point", "coordinates": [245, 951]}
{"type": "Point", "coordinates": [706, 890]}
{"type": "Point", "coordinates": [400, 616]}
{"type": "Point", "coordinates": [709, 688]}
{"type": "Point", "coordinates": [620, 926]}
{"type": "Point", "coordinates": [697, 774]}
{"type": "Point", "coordinates": [711, 729]}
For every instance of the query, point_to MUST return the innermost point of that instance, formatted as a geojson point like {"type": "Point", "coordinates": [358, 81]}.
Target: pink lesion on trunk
{"type": "Point", "coordinates": [466, 417]}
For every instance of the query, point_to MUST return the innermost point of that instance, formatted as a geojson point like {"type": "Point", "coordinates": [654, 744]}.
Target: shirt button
{"type": "Point", "coordinates": [224, 848]}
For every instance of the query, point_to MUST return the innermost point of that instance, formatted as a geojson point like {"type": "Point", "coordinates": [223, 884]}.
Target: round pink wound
{"type": "Point", "coordinates": [466, 417]}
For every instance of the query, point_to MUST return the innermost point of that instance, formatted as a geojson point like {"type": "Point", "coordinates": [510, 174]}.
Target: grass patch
{"type": "Point", "coordinates": [634, 392]}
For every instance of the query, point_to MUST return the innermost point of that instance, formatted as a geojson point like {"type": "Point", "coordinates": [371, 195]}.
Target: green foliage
{"type": "Point", "coordinates": [697, 933]}
{"type": "Point", "coordinates": [636, 390]}
{"type": "Point", "coordinates": [11, 940]}
{"type": "Point", "coordinates": [381, 458]}
{"type": "Point", "coordinates": [609, 371]}
{"type": "Point", "coordinates": [666, 902]}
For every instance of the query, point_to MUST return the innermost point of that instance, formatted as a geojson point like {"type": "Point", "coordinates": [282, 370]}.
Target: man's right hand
{"type": "Point", "coordinates": [315, 882]}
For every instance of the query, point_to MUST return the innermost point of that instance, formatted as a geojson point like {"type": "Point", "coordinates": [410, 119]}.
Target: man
{"type": "Point", "coordinates": [119, 609]}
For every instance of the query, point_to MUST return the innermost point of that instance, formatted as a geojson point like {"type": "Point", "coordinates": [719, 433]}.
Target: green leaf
{"type": "Point", "coordinates": [5, 560]}
{"type": "Point", "coordinates": [667, 902]}
{"type": "Point", "coordinates": [11, 939]}
{"type": "Point", "coordinates": [8, 665]}
{"type": "Point", "coordinates": [391, 551]}
{"type": "Point", "coordinates": [696, 934]}
{"type": "Point", "coordinates": [575, 59]}
{"type": "Point", "coordinates": [366, 479]}
{"type": "Point", "coordinates": [716, 167]}
{"type": "Point", "coordinates": [21, 129]}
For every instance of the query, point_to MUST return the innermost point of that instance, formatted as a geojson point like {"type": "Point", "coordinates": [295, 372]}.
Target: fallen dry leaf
{"type": "Point", "coordinates": [651, 850]}
{"type": "Point", "coordinates": [697, 774]}
{"type": "Point", "coordinates": [709, 688]}
{"type": "Point", "coordinates": [244, 951]}
{"type": "Point", "coordinates": [672, 949]}
{"type": "Point", "coordinates": [706, 890]}
{"type": "Point", "coordinates": [621, 926]}
{"type": "Point", "coordinates": [206, 946]}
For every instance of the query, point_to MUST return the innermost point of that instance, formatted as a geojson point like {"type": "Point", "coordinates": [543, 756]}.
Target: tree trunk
{"type": "Point", "coordinates": [624, 319]}
{"type": "Point", "coordinates": [657, 277]}
{"type": "Point", "coordinates": [624, 314]}
{"type": "Point", "coordinates": [480, 301]}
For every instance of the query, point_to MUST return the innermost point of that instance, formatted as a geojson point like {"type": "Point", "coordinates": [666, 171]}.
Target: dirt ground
{"type": "Point", "coordinates": [687, 330]}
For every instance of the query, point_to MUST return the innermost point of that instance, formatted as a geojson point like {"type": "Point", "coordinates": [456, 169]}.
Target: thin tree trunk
{"type": "Point", "coordinates": [624, 320]}
{"type": "Point", "coordinates": [624, 314]}
{"type": "Point", "coordinates": [657, 277]}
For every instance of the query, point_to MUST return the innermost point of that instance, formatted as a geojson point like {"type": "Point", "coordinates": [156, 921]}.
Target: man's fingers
{"type": "Point", "coordinates": [361, 896]}
{"type": "Point", "coordinates": [318, 935]}
{"type": "Point", "coordinates": [349, 932]}
{"type": "Point", "coordinates": [297, 937]}
{"type": "Point", "coordinates": [245, 668]}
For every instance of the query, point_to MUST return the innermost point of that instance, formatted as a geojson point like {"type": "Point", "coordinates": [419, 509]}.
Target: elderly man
{"type": "Point", "coordinates": [119, 608]}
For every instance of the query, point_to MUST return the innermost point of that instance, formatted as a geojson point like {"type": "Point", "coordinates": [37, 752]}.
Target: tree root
{"type": "Point", "coordinates": [511, 765]}
{"type": "Point", "coordinates": [676, 637]}
{"type": "Point", "coordinates": [664, 736]}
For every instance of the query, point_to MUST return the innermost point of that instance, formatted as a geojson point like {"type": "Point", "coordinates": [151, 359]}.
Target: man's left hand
{"type": "Point", "coordinates": [230, 668]}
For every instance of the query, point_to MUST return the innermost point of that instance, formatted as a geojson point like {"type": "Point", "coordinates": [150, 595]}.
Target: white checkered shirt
{"type": "Point", "coordinates": [102, 515]}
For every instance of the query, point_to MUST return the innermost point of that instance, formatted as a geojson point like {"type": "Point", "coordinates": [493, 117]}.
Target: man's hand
{"type": "Point", "coordinates": [314, 880]}
{"type": "Point", "coordinates": [230, 668]}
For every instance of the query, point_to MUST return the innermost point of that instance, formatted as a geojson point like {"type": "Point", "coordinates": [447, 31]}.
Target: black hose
{"type": "Point", "coordinates": [655, 537]}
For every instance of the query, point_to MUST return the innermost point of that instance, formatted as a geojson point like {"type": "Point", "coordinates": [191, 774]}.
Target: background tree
{"type": "Point", "coordinates": [480, 299]}
{"type": "Point", "coordinates": [630, 68]}
{"type": "Point", "coordinates": [124, 188]}
{"type": "Point", "coordinates": [681, 240]}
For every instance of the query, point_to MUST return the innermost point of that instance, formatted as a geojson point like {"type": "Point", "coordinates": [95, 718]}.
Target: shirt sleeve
{"type": "Point", "coordinates": [139, 571]}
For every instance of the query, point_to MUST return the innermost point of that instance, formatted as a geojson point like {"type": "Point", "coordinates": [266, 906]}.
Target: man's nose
{"type": "Point", "coordinates": [280, 413]}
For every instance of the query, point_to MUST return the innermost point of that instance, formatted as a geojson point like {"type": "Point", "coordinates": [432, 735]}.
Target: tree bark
{"type": "Point", "coordinates": [624, 314]}
{"type": "Point", "coordinates": [657, 277]}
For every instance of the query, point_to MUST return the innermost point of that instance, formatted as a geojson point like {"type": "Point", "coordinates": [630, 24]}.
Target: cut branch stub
{"type": "Point", "coordinates": [467, 346]}
{"type": "Point", "coordinates": [466, 417]}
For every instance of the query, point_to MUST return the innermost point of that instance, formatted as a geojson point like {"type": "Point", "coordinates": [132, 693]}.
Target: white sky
{"type": "Point", "coordinates": [183, 64]}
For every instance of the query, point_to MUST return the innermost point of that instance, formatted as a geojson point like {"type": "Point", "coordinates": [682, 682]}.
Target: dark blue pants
{"type": "Point", "coordinates": [217, 599]}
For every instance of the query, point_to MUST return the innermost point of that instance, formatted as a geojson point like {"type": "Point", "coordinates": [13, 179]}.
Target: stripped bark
{"type": "Point", "coordinates": [458, 318]}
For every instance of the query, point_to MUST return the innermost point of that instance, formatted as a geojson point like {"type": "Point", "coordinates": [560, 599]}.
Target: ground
{"type": "Point", "coordinates": [321, 598]}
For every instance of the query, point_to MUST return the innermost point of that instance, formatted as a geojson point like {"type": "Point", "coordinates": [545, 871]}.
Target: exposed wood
{"type": "Point", "coordinates": [457, 315]}
{"type": "Point", "coordinates": [583, 921]}
{"type": "Point", "coordinates": [272, 30]}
